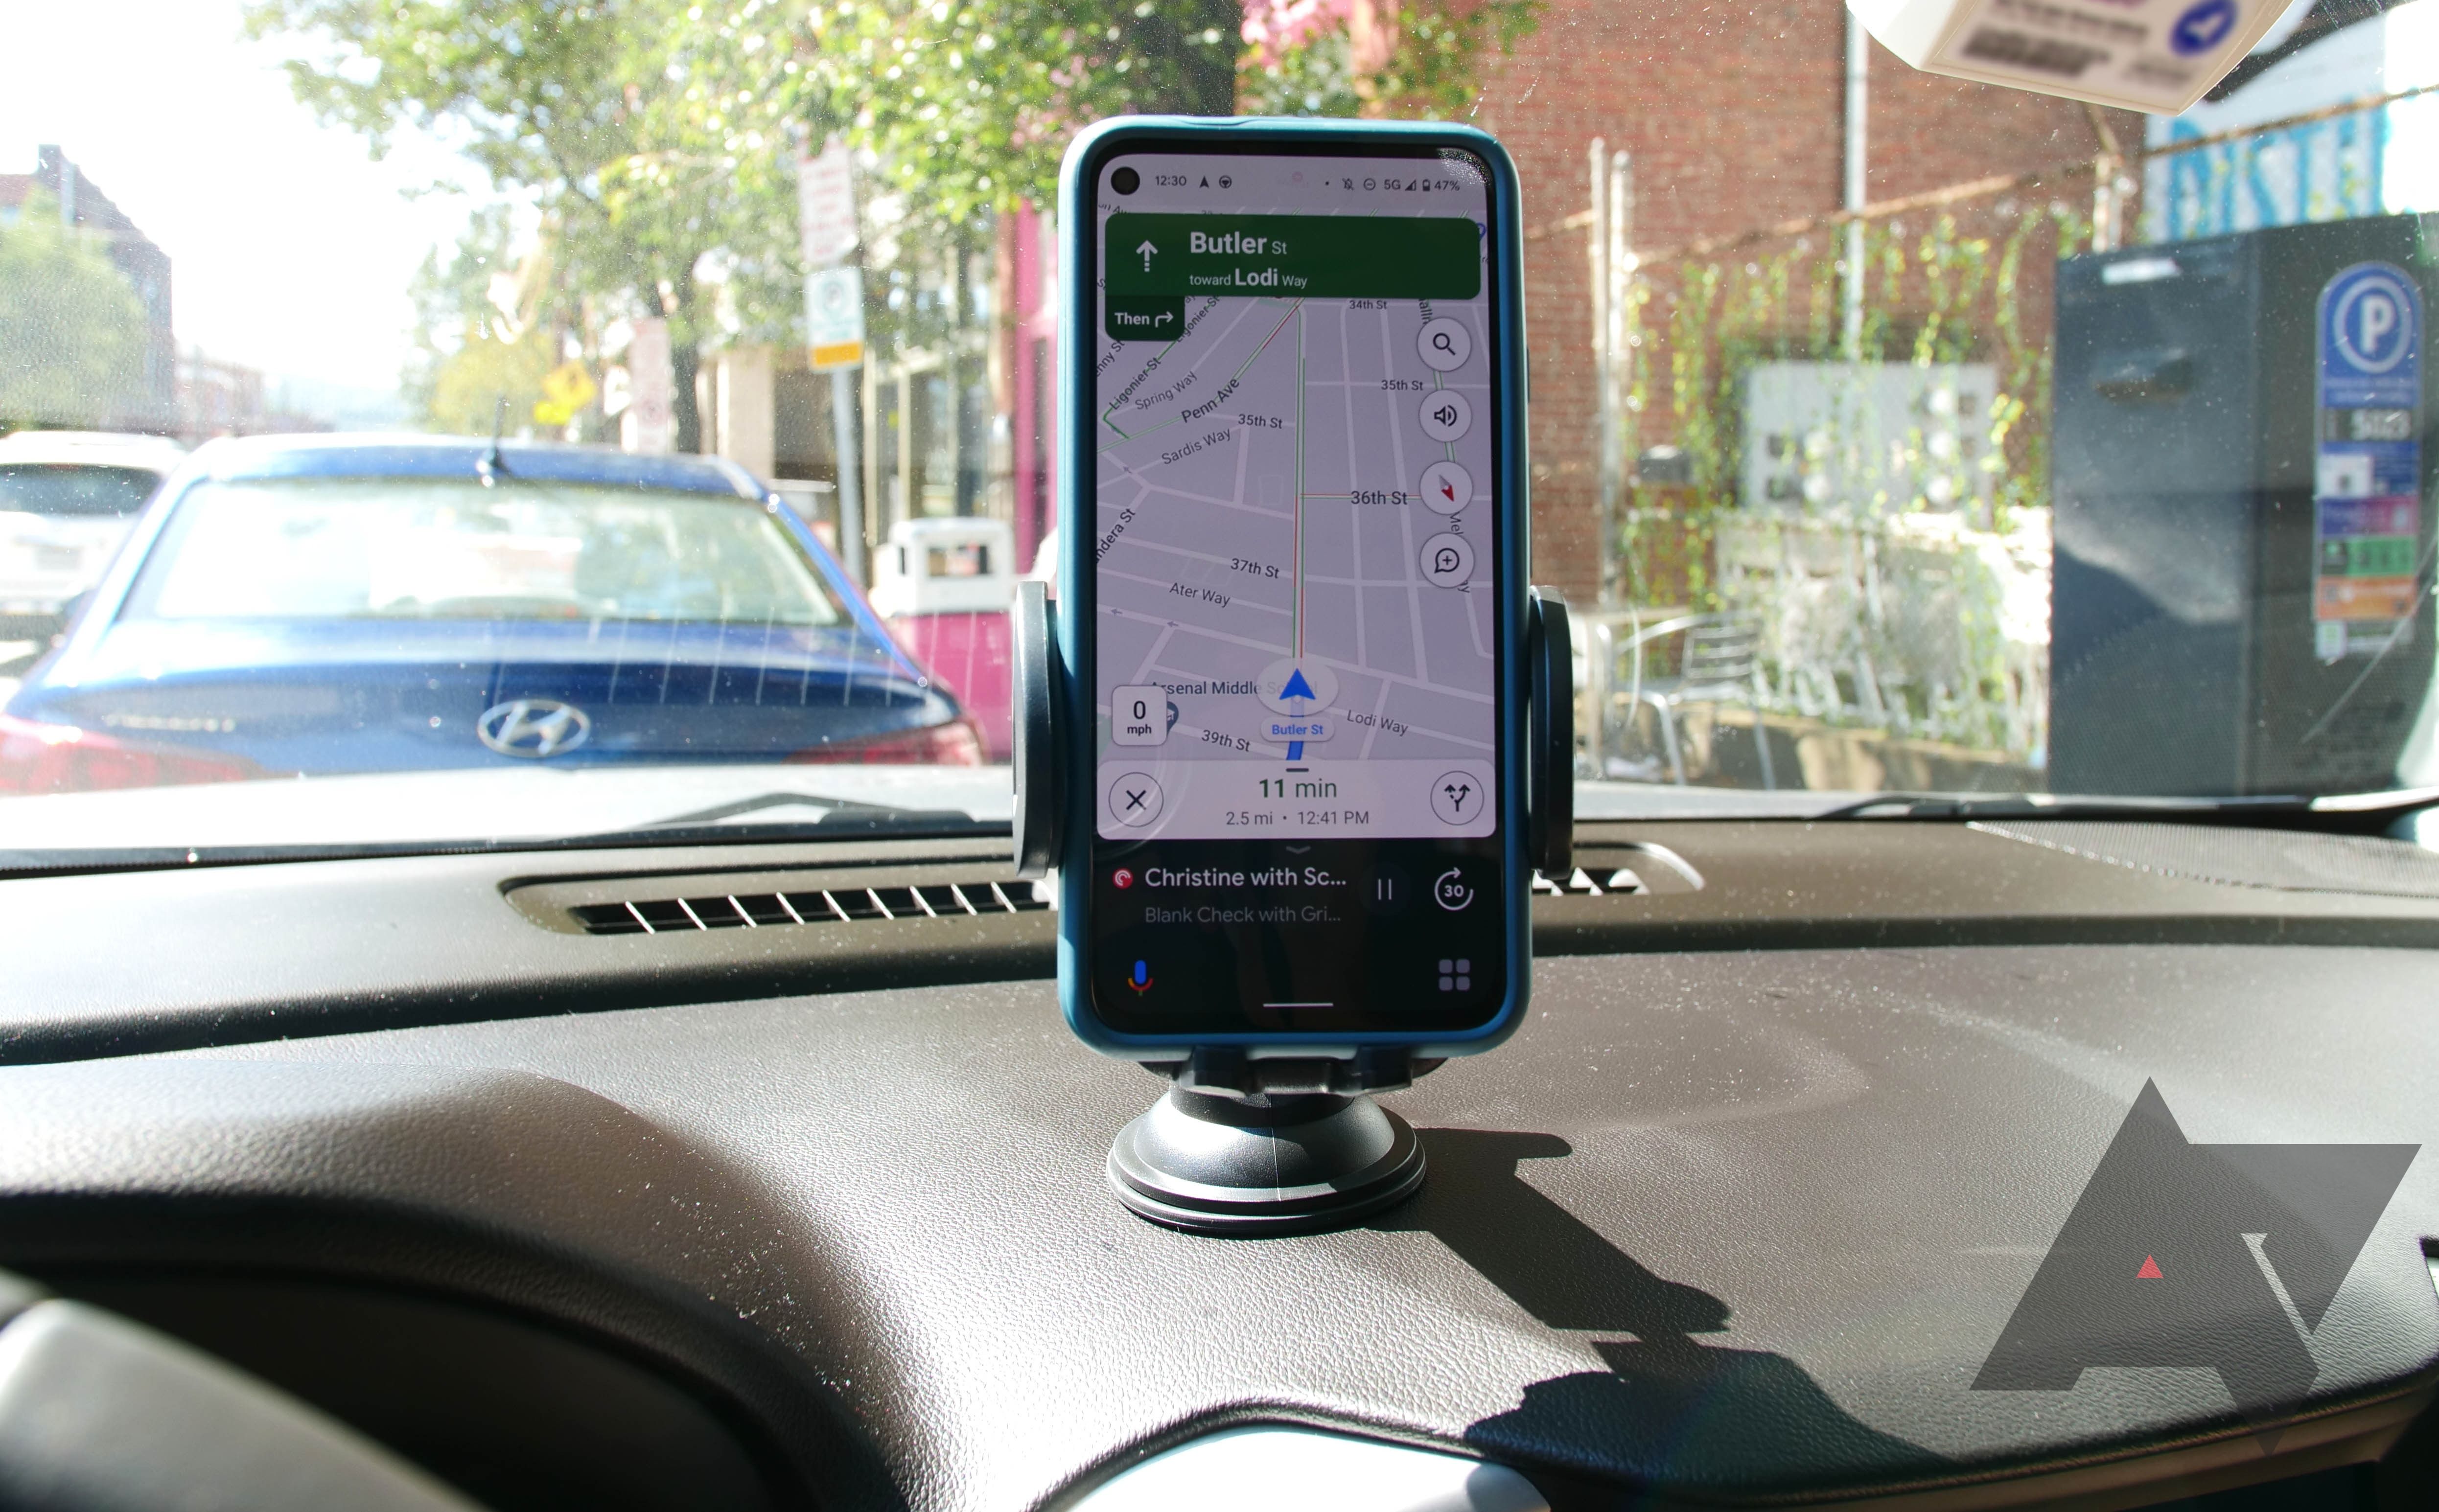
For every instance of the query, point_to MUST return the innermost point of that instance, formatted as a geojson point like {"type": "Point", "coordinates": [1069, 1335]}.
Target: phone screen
{"type": "Point", "coordinates": [1296, 593]}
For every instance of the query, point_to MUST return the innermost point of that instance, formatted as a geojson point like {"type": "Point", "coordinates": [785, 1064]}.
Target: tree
{"type": "Point", "coordinates": [570, 103]}
{"type": "Point", "coordinates": [970, 103]}
{"type": "Point", "coordinates": [658, 136]}
{"type": "Point", "coordinates": [72, 335]}
{"type": "Point", "coordinates": [488, 325]}
{"type": "Point", "coordinates": [1376, 57]}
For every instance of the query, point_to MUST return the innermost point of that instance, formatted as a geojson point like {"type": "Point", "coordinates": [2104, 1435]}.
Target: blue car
{"type": "Point", "coordinates": [323, 605]}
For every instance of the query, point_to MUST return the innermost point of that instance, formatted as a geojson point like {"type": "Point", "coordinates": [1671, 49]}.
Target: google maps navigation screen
{"type": "Point", "coordinates": [1293, 542]}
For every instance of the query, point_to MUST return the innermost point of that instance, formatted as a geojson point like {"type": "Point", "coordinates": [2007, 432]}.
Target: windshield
{"type": "Point", "coordinates": [1891, 432]}
{"type": "Point", "coordinates": [320, 550]}
{"type": "Point", "coordinates": [70, 491]}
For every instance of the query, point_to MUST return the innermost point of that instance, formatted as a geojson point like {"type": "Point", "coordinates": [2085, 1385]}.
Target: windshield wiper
{"type": "Point", "coordinates": [2351, 813]}
{"type": "Point", "coordinates": [835, 815]}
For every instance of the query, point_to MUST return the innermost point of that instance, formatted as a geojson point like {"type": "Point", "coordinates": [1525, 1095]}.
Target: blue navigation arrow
{"type": "Point", "coordinates": [1297, 687]}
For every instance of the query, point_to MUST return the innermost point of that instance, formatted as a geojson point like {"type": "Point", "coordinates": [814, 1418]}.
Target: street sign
{"type": "Point", "coordinates": [825, 205]}
{"type": "Point", "coordinates": [834, 317]}
{"type": "Point", "coordinates": [566, 389]}
{"type": "Point", "coordinates": [1311, 256]}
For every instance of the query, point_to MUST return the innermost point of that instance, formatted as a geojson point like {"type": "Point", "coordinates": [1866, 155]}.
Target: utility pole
{"type": "Point", "coordinates": [1859, 83]}
{"type": "Point", "coordinates": [1605, 477]}
{"type": "Point", "coordinates": [1612, 284]}
{"type": "Point", "coordinates": [2108, 203]}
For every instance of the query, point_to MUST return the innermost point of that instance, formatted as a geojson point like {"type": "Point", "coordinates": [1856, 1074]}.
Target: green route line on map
{"type": "Point", "coordinates": [1439, 381]}
{"type": "Point", "coordinates": [1299, 482]}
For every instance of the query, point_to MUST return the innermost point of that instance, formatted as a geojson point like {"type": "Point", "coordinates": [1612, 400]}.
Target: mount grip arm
{"type": "Point", "coordinates": [1035, 761]}
{"type": "Point", "coordinates": [1550, 737]}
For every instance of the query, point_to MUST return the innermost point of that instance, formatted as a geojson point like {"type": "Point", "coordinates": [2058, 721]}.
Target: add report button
{"type": "Point", "coordinates": [1143, 317]}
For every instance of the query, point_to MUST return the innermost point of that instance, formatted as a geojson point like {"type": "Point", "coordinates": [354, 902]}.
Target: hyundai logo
{"type": "Point", "coordinates": [533, 727]}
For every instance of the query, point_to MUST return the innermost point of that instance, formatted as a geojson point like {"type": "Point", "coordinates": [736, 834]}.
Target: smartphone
{"type": "Point", "coordinates": [1292, 588]}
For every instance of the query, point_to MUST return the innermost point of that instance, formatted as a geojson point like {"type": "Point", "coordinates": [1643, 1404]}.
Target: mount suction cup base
{"type": "Point", "coordinates": [1265, 1165]}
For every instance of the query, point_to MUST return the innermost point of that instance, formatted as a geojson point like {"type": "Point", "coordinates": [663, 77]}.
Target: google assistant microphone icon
{"type": "Point", "coordinates": [1140, 978]}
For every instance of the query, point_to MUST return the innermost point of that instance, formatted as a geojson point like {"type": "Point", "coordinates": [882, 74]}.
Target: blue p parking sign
{"type": "Point", "coordinates": [2367, 474]}
{"type": "Point", "coordinates": [2371, 329]}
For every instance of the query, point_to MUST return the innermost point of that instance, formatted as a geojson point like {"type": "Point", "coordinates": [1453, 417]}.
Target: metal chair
{"type": "Point", "coordinates": [1716, 665]}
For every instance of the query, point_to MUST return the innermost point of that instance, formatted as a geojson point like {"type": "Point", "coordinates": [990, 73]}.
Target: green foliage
{"type": "Point", "coordinates": [470, 355]}
{"type": "Point", "coordinates": [589, 108]}
{"type": "Point", "coordinates": [658, 138]}
{"type": "Point", "coordinates": [1933, 299]}
{"type": "Point", "coordinates": [1934, 296]}
{"type": "Point", "coordinates": [970, 103]}
{"type": "Point", "coordinates": [972, 106]}
{"type": "Point", "coordinates": [1315, 77]}
{"type": "Point", "coordinates": [453, 302]}
{"type": "Point", "coordinates": [1436, 70]}
{"type": "Point", "coordinates": [472, 380]}
{"type": "Point", "coordinates": [1432, 72]}
{"type": "Point", "coordinates": [72, 335]}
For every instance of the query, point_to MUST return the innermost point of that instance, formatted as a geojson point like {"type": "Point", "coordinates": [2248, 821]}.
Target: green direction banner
{"type": "Point", "coordinates": [1296, 256]}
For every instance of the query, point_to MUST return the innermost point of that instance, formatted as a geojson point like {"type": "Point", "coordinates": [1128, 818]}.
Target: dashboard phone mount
{"type": "Point", "coordinates": [1246, 1143]}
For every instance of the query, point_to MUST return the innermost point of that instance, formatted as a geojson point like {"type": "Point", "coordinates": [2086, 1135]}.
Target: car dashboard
{"type": "Point", "coordinates": [768, 1175]}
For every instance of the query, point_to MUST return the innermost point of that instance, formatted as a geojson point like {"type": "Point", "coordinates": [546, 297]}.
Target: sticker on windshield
{"type": "Point", "coordinates": [2367, 462]}
{"type": "Point", "coordinates": [2158, 57]}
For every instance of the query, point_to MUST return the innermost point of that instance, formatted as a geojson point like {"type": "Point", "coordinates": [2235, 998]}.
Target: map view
{"type": "Point", "coordinates": [1293, 534]}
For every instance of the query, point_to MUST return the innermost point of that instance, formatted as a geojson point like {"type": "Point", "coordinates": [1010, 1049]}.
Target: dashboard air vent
{"type": "Point", "coordinates": [1621, 880]}
{"type": "Point", "coordinates": [679, 916]}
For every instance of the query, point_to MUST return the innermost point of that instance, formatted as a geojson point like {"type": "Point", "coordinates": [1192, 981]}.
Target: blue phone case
{"type": "Point", "coordinates": [1075, 585]}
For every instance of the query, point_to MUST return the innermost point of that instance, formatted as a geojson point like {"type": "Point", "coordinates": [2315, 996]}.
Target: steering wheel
{"type": "Point", "coordinates": [101, 1414]}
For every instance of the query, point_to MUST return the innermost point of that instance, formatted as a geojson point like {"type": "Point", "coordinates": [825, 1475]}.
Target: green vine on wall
{"type": "Point", "coordinates": [1970, 286]}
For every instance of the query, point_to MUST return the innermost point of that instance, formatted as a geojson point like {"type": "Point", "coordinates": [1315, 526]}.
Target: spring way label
{"type": "Point", "coordinates": [2367, 473]}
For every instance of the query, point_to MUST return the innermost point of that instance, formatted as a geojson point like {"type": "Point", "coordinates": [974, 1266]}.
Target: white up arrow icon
{"type": "Point", "coordinates": [1146, 249]}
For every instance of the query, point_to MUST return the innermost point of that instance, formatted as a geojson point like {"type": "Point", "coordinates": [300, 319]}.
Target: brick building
{"type": "Point", "coordinates": [80, 203]}
{"type": "Point", "coordinates": [1734, 119]}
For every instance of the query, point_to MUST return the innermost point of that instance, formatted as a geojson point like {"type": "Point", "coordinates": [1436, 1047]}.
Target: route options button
{"type": "Point", "coordinates": [1447, 561]}
{"type": "Point", "coordinates": [1133, 799]}
{"type": "Point", "coordinates": [1444, 344]}
{"type": "Point", "coordinates": [1456, 796]}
